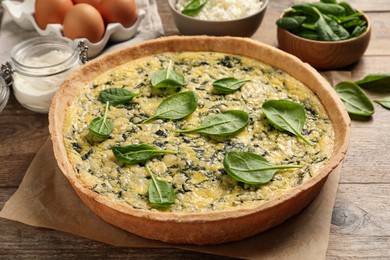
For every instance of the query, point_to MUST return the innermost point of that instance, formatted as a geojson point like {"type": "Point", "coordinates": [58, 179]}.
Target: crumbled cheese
{"type": "Point", "coordinates": [224, 10]}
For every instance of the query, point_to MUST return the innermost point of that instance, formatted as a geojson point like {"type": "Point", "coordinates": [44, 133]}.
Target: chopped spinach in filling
{"type": "Point", "coordinates": [196, 172]}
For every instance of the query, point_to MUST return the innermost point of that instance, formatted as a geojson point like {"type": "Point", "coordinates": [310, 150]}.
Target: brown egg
{"type": "Point", "coordinates": [51, 11]}
{"type": "Point", "coordinates": [119, 11]}
{"type": "Point", "coordinates": [94, 3]}
{"type": "Point", "coordinates": [84, 21]}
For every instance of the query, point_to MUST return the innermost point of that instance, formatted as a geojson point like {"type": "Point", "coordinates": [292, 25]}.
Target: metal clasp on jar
{"type": "Point", "coordinates": [83, 51]}
{"type": "Point", "coordinates": [6, 82]}
{"type": "Point", "coordinates": [6, 73]}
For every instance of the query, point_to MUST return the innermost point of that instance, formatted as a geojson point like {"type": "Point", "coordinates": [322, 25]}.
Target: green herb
{"type": "Point", "coordinates": [290, 23]}
{"type": "Point", "coordinates": [351, 21]}
{"type": "Point", "coordinates": [161, 193]}
{"type": "Point", "coordinates": [325, 32]}
{"type": "Point", "coordinates": [251, 168]}
{"type": "Point", "coordinates": [223, 124]}
{"type": "Point", "coordinates": [337, 28]}
{"type": "Point", "coordinates": [286, 115]}
{"type": "Point", "coordinates": [358, 31]}
{"type": "Point", "coordinates": [306, 9]}
{"type": "Point", "coordinates": [137, 153]}
{"type": "Point", "coordinates": [385, 102]}
{"type": "Point", "coordinates": [328, 29]}
{"type": "Point", "coordinates": [167, 78]}
{"type": "Point", "coordinates": [229, 85]}
{"type": "Point", "coordinates": [307, 34]}
{"type": "Point", "coordinates": [311, 26]}
{"type": "Point", "coordinates": [348, 8]}
{"type": "Point", "coordinates": [326, 20]}
{"type": "Point", "coordinates": [374, 80]}
{"type": "Point", "coordinates": [100, 126]}
{"type": "Point", "coordinates": [354, 99]}
{"type": "Point", "coordinates": [194, 7]}
{"type": "Point", "coordinates": [116, 96]}
{"type": "Point", "coordinates": [176, 106]}
{"type": "Point", "coordinates": [329, 1]}
{"type": "Point", "coordinates": [330, 8]}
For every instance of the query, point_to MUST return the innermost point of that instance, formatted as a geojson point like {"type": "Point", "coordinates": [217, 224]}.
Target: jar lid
{"type": "Point", "coordinates": [34, 49]}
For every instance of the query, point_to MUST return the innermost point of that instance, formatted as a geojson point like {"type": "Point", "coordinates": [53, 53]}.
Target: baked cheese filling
{"type": "Point", "coordinates": [196, 172]}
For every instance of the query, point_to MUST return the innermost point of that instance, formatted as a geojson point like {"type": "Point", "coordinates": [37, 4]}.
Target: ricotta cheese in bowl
{"type": "Point", "coordinates": [219, 17]}
{"type": "Point", "coordinates": [210, 207]}
{"type": "Point", "coordinates": [224, 10]}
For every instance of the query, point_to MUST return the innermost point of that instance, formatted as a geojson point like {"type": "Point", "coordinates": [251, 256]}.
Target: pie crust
{"type": "Point", "coordinates": [210, 227]}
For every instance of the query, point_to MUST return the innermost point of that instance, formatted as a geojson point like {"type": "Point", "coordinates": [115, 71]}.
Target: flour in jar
{"type": "Point", "coordinates": [224, 10]}
{"type": "Point", "coordinates": [44, 75]}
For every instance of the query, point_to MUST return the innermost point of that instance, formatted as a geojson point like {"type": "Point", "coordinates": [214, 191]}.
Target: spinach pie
{"type": "Point", "coordinates": [198, 140]}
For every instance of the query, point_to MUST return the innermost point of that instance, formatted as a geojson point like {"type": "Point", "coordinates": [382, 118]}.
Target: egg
{"type": "Point", "coordinates": [84, 21]}
{"type": "Point", "coordinates": [51, 11]}
{"type": "Point", "coordinates": [94, 3]}
{"type": "Point", "coordinates": [119, 11]}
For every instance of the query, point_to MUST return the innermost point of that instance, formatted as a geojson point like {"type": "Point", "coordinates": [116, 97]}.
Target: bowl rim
{"type": "Point", "coordinates": [190, 18]}
{"type": "Point", "coordinates": [366, 33]}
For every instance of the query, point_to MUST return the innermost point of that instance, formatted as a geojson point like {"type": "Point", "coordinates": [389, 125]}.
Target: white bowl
{"type": "Point", "coordinates": [243, 27]}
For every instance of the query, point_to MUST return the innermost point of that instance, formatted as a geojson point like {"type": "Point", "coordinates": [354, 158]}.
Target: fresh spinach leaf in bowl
{"type": "Point", "coordinates": [326, 20]}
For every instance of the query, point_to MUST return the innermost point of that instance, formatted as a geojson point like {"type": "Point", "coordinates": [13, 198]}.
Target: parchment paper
{"type": "Point", "coordinates": [46, 199]}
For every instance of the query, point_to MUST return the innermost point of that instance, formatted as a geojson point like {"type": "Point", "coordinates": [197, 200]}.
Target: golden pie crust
{"type": "Point", "coordinates": [211, 227]}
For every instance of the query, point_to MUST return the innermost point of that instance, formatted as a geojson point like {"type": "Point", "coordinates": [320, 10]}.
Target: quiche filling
{"type": "Point", "coordinates": [196, 171]}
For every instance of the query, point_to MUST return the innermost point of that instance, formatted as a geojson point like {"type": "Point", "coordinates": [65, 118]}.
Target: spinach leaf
{"type": "Point", "coordinates": [352, 23]}
{"type": "Point", "coordinates": [374, 80]}
{"type": "Point", "coordinates": [137, 153]}
{"type": "Point", "coordinates": [348, 8]}
{"type": "Point", "coordinates": [359, 30]}
{"type": "Point", "coordinates": [306, 9]}
{"type": "Point", "coordinates": [310, 26]}
{"type": "Point", "coordinates": [330, 20]}
{"type": "Point", "coordinates": [286, 115]}
{"type": "Point", "coordinates": [161, 193]}
{"type": "Point", "coordinates": [223, 124]}
{"type": "Point", "coordinates": [167, 78]}
{"type": "Point", "coordinates": [385, 102]}
{"type": "Point", "coordinates": [326, 8]}
{"type": "Point", "coordinates": [194, 7]}
{"type": "Point", "coordinates": [100, 126]}
{"type": "Point", "coordinates": [229, 85]}
{"type": "Point", "coordinates": [116, 96]}
{"type": "Point", "coordinates": [354, 99]}
{"type": "Point", "coordinates": [290, 22]}
{"type": "Point", "coordinates": [338, 29]}
{"type": "Point", "coordinates": [251, 168]}
{"type": "Point", "coordinates": [309, 34]}
{"type": "Point", "coordinates": [176, 106]}
{"type": "Point", "coordinates": [325, 32]}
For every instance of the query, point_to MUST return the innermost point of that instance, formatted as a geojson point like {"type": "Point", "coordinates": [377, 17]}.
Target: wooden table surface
{"type": "Point", "coordinates": [361, 216]}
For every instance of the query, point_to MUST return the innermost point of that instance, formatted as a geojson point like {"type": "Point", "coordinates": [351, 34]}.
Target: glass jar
{"type": "Point", "coordinates": [39, 66]}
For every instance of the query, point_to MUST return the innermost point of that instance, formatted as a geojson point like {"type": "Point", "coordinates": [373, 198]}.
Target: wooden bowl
{"type": "Point", "coordinates": [325, 54]}
{"type": "Point", "coordinates": [244, 27]}
{"type": "Point", "coordinates": [210, 227]}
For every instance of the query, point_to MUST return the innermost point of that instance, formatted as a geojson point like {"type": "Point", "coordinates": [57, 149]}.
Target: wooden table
{"type": "Point", "coordinates": [361, 216]}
